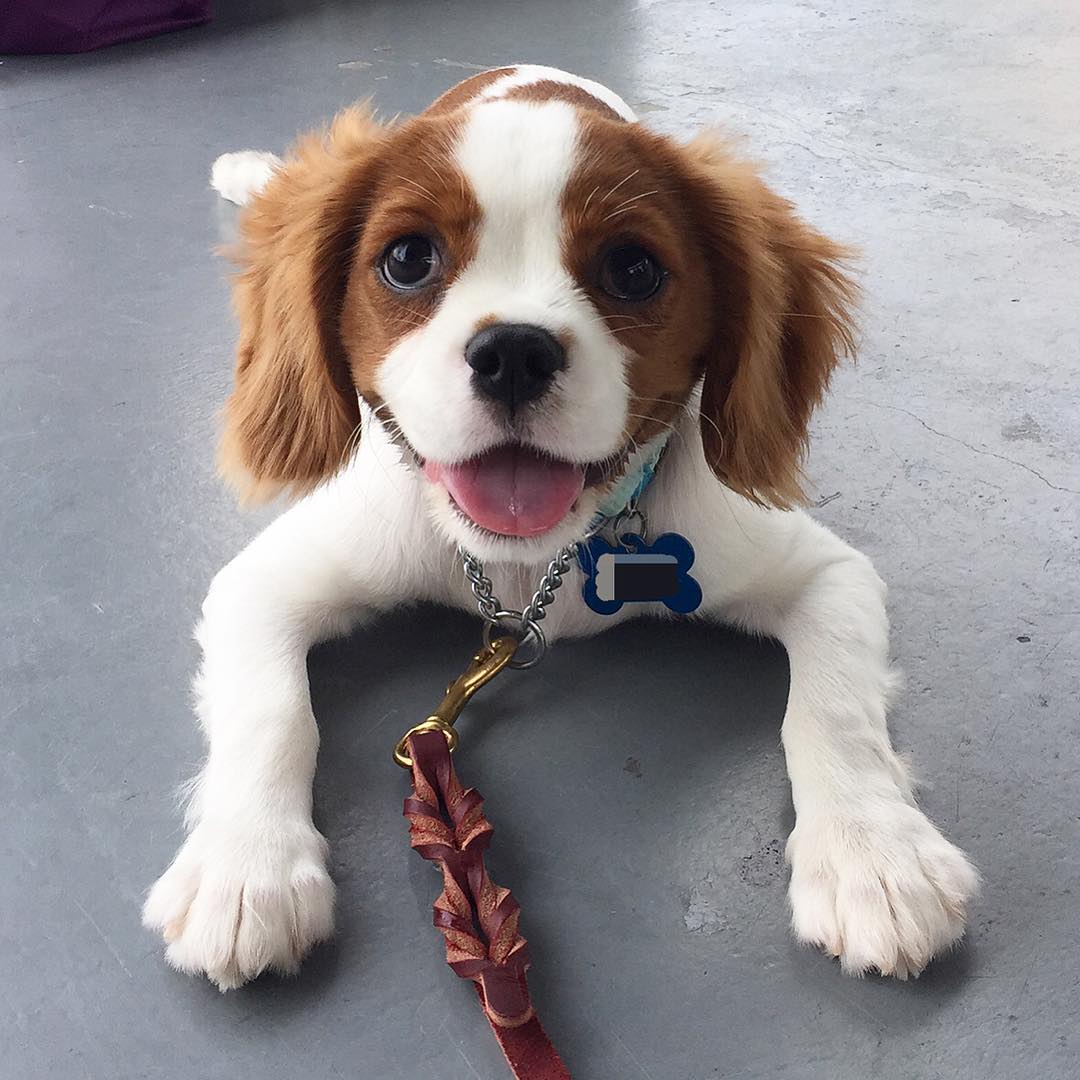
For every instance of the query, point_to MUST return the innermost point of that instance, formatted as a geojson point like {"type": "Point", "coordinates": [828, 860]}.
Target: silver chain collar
{"type": "Point", "coordinates": [525, 624]}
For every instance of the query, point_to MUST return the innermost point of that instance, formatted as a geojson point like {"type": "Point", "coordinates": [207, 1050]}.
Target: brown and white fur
{"type": "Point", "coordinates": [347, 390]}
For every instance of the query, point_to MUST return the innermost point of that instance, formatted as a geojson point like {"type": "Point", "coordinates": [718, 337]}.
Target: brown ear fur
{"type": "Point", "coordinates": [294, 408]}
{"type": "Point", "coordinates": [783, 311]}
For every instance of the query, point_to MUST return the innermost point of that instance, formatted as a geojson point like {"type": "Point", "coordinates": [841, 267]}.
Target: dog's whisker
{"type": "Point", "coordinates": [430, 163]}
{"type": "Point", "coordinates": [673, 429]}
{"type": "Point", "coordinates": [396, 436]}
{"type": "Point", "coordinates": [416, 183]}
{"type": "Point", "coordinates": [624, 180]}
{"type": "Point", "coordinates": [420, 189]}
{"type": "Point", "coordinates": [688, 410]}
{"type": "Point", "coordinates": [411, 318]}
{"type": "Point", "coordinates": [626, 204]}
{"type": "Point", "coordinates": [707, 419]}
{"type": "Point", "coordinates": [654, 420]}
{"type": "Point", "coordinates": [351, 443]}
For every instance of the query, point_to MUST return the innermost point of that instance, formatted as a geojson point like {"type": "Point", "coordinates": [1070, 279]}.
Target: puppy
{"type": "Point", "coordinates": [466, 329]}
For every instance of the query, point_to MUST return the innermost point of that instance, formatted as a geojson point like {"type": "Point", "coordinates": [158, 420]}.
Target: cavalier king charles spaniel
{"type": "Point", "coordinates": [467, 328]}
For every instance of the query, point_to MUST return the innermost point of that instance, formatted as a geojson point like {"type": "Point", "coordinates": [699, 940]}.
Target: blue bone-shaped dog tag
{"type": "Point", "coordinates": [634, 572]}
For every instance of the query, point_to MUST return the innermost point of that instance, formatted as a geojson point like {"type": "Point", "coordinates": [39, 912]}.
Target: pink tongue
{"type": "Point", "coordinates": [512, 490]}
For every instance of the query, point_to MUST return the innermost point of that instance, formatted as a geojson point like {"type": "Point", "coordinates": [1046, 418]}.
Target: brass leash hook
{"type": "Point", "coordinates": [485, 665]}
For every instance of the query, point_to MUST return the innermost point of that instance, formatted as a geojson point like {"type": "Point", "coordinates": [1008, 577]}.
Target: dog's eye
{"type": "Point", "coordinates": [630, 273]}
{"type": "Point", "coordinates": [409, 262]}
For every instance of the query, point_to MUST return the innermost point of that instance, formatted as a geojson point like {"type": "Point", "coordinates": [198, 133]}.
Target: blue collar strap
{"type": "Point", "coordinates": [639, 473]}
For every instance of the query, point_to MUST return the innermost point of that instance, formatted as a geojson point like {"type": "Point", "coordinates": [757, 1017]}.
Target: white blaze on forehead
{"type": "Point", "coordinates": [518, 157]}
{"type": "Point", "coordinates": [528, 74]}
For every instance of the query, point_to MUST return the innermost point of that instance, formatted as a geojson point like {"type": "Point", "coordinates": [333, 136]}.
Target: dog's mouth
{"type": "Point", "coordinates": [515, 490]}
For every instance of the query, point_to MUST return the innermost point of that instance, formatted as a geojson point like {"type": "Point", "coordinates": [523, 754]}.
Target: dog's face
{"type": "Point", "coordinates": [527, 286]}
{"type": "Point", "coordinates": [536, 296]}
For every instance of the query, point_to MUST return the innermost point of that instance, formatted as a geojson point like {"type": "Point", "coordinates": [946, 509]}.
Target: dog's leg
{"type": "Point", "coordinates": [242, 174]}
{"type": "Point", "coordinates": [872, 880]}
{"type": "Point", "coordinates": [248, 890]}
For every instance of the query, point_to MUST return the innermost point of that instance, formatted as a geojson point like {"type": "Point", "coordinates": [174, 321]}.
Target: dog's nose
{"type": "Point", "coordinates": [513, 362]}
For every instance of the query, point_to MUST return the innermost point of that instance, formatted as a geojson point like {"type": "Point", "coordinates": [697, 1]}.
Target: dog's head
{"type": "Point", "coordinates": [526, 285]}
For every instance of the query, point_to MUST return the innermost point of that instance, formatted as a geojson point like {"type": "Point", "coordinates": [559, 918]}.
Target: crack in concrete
{"type": "Point", "coordinates": [967, 445]}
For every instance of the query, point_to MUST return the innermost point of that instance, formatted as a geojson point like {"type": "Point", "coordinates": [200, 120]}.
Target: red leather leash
{"type": "Point", "coordinates": [478, 918]}
{"type": "Point", "coordinates": [529, 1053]}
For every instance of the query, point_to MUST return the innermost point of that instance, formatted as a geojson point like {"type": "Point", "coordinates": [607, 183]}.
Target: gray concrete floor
{"type": "Point", "coordinates": [943, 138]}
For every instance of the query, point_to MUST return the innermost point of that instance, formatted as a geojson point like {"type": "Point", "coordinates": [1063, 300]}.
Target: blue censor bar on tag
{"type": "Point", "coordinates": [634, 572]}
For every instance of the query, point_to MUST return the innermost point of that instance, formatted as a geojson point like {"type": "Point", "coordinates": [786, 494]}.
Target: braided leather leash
{"type": "Point", "coordinates": [478, 918]}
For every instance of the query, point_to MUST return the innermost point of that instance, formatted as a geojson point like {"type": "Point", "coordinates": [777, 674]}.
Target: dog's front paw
{"type": "Point", "coordinates": [883, 892]}
{"type": "Point", "coordinates": [236, 902]}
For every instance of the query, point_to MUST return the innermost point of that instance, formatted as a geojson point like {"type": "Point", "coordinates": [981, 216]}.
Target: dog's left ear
{"type": "Point", "coordinates": [782, 319]}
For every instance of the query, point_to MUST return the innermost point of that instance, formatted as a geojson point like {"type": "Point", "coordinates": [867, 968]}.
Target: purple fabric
{"type": "Point", "coordinates": [71, 26]}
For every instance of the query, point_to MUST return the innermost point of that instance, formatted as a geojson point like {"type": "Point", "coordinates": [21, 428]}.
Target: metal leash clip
{"type": "Point", "coordinates": [485, 665]}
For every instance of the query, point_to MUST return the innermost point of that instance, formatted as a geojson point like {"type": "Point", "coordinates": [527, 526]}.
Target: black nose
{"type": "Point", "coordinates": [514, 362]}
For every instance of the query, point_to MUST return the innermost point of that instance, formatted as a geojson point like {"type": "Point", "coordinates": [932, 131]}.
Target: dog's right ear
{"type": "Point", "coordinates": [294, 407]}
